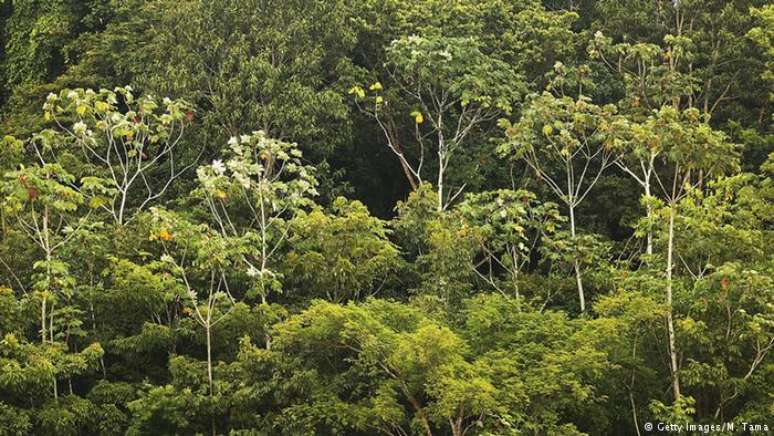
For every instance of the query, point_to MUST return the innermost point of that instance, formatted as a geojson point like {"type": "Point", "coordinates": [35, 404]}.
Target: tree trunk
{"type": "Point", "coordinates": [43, 319]}
{"type": "Point", "coordinates": [420, 414]}
{"type": "Point", "coordinates": [456, 426]}
{"type": "Point", "coordinates": [649, 212]}
{"type": "Point", "coordinates": [515, 272]}
{"type": "Point", "coordinates": [442, 151]}
{"type": "Point", "coordinates": [631, 392]}
{"type": "Point", "coordinates": [207, 329]}
{"type": "Point", "coordinates": [440, 182]}
{"type": "Point", "coordinates": [392, 138]}
{"type": "Point", "coordinates": [634, 413]}
{"type": "Point", "coordinates": [44, 295]}
{"type": "Point", "coordinates": [51, 323]}
{"type": "Point", "coordinates": [670, 323]}
{"type": "Point", "coordinates": [407, 172]}
{"type": "Point", "coordinates": [122, 205]}
{"type": "Point", "coordinates": [576, 264]}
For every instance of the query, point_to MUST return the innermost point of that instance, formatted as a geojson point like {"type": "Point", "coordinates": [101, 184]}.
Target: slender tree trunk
{"type": "Point", "coordinates": [51, 323]}
{"type": "Point", "coordinates": [407, 171]}
{"type": "Point", "coordinates": [670, 323]}
{"type": "Point", "coordinates": [264, 242]}
{"type": "Point", "coordinates": [649, 212]}
{"type": "Point", "coordinates": [121, 208]}
{"type": "Point", "coordinates": [578, 278]}
{"type": "Point", "coordinates": [634, 413]}
{"type": "Point", "coordinates": [442, 150]}
{"type": "Point", "coordinates": [207, 329]}
{"type": "Point", "coordinates": [631, 392]}
{"type": "Point", "coordinates": [392, 138]}
{"type": "Point", "coordinates": [515, 272]}
{"type": "Point", "coordinates": [43, 318]}
{"type": "Point", "coordinates": [440, 182]}
{"type": "Point", "coordinates": [44, 295]}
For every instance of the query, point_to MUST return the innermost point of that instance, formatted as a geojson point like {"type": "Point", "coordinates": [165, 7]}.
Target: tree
{"type": "Point", "coordinates": [200, 260]}
{"type": "Point", "coordinates": [140, 298]}
{"type": "Point", "coordinates": [763, 36]}
{"type": "Point", "coordinates": [365, 335]}
{"type": "Point", "coordinates": [44, 207]}
{"type": "Point", "coordinates": [344, 254]}
{"type": "Point", "coordinates": [510, 226]}
{"type": "Point", "coordinates": [566, 143]}
{"type": "Point", "coordinates": [253, 196]}
{"type": "Point", "coordinates": [134, 149]}
{"type": "Point", "coordinates": [688, 147]}
{"type": "Point", "coordinates": [687, 53]}
{"type": "Point", "coordinates": [36, 39]}
{"type": "Point", "coordinates": [267, 65]}
{"type": "Point", "coordinates": [725, 259]}
{"type": "Point", "coordinates": [454, 88]}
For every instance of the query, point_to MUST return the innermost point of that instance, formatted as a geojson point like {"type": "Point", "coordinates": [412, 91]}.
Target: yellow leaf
{"type": "Point", "coordinates": [164, 235]}
{"type": "Point", "coordinates": [376, 87]}
{"type": "Point", "coordinates": [548, 130]}
{"type": "Point", "coordinates": [81, 110]}
{"type": "Point", "coordinates": [358, 91]}
{"type": "Point", "coordinates": [96, 202]}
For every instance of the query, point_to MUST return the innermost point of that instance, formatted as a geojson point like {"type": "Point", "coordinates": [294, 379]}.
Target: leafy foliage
{"type": "Point", "coordinates": [397, 217]}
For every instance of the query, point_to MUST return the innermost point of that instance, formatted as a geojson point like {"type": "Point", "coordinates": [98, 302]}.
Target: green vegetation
{"type": "Point", "coordinates": [431, 217]}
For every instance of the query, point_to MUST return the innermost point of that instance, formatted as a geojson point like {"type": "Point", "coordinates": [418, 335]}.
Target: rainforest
{"type": "Point", "coordinates": [397, 217]}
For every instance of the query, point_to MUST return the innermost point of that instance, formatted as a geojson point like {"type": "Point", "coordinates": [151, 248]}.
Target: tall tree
{"type": "Point", "coordinates": [454, 89]}
{"type": "Point", "coordinates": [254, 195]}
{"type": "Point", "coordinates": [688, 147]}
{"type": "Point", "coordinates": [134, 148]}
{"type": "Point", "coordinates": [566, 143]}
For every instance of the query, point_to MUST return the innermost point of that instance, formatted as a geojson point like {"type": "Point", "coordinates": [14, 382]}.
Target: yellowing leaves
{"type": "Point", "coordinates": [375, 87]}
{"type": "Point", "coordinates": [101, 106]}
{"type": "Point", "coordinates": [164, 235]}
{"type": "Point", "coordinates": [96, 202]}
{"type": "Point", "coordinates": [358, 91]}
{"type": "Point", "coordinates": [548, 130]}
{"type": "Point", "coordinates": [418, 117]}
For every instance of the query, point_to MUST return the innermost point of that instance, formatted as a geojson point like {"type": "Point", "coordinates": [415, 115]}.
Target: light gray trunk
{"type": "Point", "coordinates": [649, 211]}
{"type": "Point", "coordinates": [670, 323]}
{"type": "Point", "coordinates": [576, 264]}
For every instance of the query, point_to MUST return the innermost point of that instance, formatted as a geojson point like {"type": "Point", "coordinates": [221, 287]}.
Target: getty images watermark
{"type": "Point", "coordinates": [663, 427]}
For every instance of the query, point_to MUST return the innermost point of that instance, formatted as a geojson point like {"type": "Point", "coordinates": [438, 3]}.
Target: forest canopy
{"type": "Point", "coordinates": [430, 217]}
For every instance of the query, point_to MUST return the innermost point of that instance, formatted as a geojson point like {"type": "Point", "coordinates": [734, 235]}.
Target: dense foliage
{"type": "Point", "coordinates": [490, 217]}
